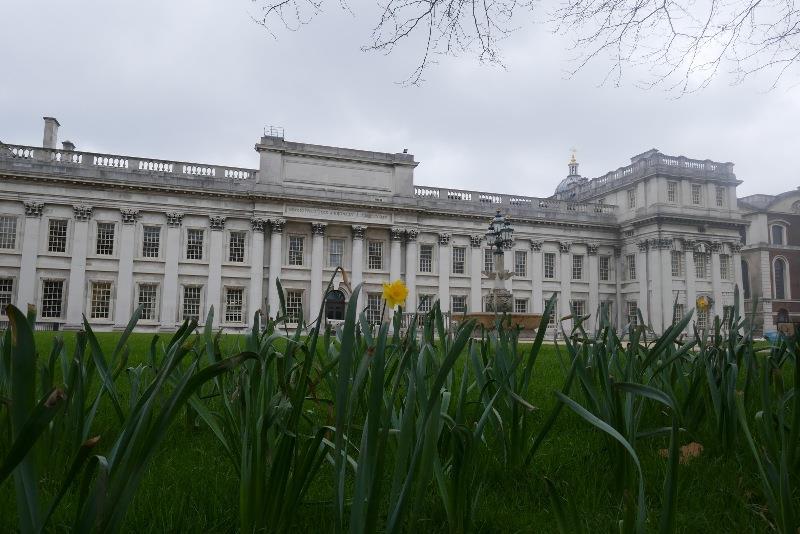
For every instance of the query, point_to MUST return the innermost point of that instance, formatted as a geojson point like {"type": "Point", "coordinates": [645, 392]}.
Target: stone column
{"type": "Point", "coordinates": [594, 284]}
{"type": "Point", "coordinates": [77, 266]}
{"type": "Point", "coordinates": [537, 298]}
{"type": "Point", "coordinates": [256, 293]}
{"type": "Point", "coordinates": [125, 290]}
{"type": "Point", "coordinates": [395, 259]}
{"type": "Point", "coordinates": [475, 273]}
{"type": "Point", "coordinates": [736, 258]}
{"type": "Point", "coordinates": [643, 275]}
{"type": "Point", "coordinates": [444, 272]}
{"type": "Point", "coordinates": [667, 290]}
{"type": "Point", "coordinates": [689, 271]}
{"type": "Point", "coordinates": [411, 269]}
{"type": "Point", "coordinates": [508, 265]}
{"type": "Point", "coordinates": [172, 254]}
{"type": "Point", "coordinates": [26, 292]}
{"type": "Point", "coordinates": [619, 271]}
{"type": "Point", "coordinates": [216, 244]}
{"type": "Point", "coordinates": [358, 261]}
{"type": "Point", "coordinates": [317, 261]}
{"type": "Point", "coordinates": [716, 279]}
{"type": "Point", "coordinates": [275, 264]}
{"type": "Point", "coordinates": [765, 269]}
{"type": "Point", "coordinates": [566, 286]}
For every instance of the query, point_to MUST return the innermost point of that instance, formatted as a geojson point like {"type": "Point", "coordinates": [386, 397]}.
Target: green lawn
{"type": "Point", "coordinates": [191, 487]}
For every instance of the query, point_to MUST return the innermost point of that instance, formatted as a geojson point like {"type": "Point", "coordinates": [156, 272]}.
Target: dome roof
{"type": "Point", "coordinates": [569, 182]}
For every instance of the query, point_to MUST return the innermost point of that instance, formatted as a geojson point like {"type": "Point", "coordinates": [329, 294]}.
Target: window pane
{"type": "Point", "coordinates": [672, 190]}
{"type": "Point", "coordinates": [488, 260]}
{"type": "Point", "coordinates": [375, 255]}
{"type": "Point", "coordinates": [426, 258]}
{"type": "Point", "coordinates": [520, 263]}
{"type": "Point", "coordinates": [577, 267]}
{"type": "Point", "coordinates": [8, 232]}
{"type": "Point", "coordinates": [101, 300]}
{"type": "Point", "coordinates": [605, 268]}
{"type": "Point", "coordinates": [630, 259]}
{"type": "Point", "coordinates": [294, 305]}
{"type": "Point", "coordinates": [105, 239]}
{"type": "Point", "coordinates": [151, 241]}
{"type": "Point", "coordinates": [191, 302]}
{"type": "Point", "coordinates": [459, 304]}
{"type": "Point", "coordinates": [720, 192]}
{"type": "Point", "coordinates": [696, 194]}
{"type": "Point", "coordinates": [234, 300]}
{"type": "Point", "coordinates": [777, 234]}
{"type": "Point", "coordinates": [57, 236]}
{"type": "Point", "coordinates": [335, 252]}
{"type": "Point", "coordinates": [6, 293]}
{"type": "Point", "coordinates": [194, 244]}
{"type": "Point", "coordinates": [549, 265]}
{"type": "Point", "coordinates": [520, 305]}
{"type": "Point", "coordinates": [780, 279]}
{"type": "Point", "coordinates": [236, 247]}
{"type": "Point", "coordinates": [52, 298]}
{"type": "Point", "coordinates": [676, 258]}
{"type": "Point", "coordinates": [701, 262]}
{"type": "Point", "coordinates": [148, 298]}
{"type": "Point", "coordinates": [425, 303]}
{"type": "Point", "coordinates": [459, 260]}
{"type": "Point", "coordinates": [633, 317]}
{"type": "Point", "coordinates": [296, 243]}
{"type": "Point", "coordinates": [578, 308]}
{"type": "Point", "coordinates": [374, 308]}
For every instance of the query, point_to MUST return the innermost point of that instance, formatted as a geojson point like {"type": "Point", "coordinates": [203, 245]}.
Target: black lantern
{"type": "Point", "coordinates": [500, 233]}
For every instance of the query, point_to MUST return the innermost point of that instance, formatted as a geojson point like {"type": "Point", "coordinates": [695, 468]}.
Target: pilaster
{"type": "Point", "coordinates": [411, 268]}
{"type": "Point", "coordinates": [317, 260]}
{"type": "Point", "coordinates": [256, 294]}
{"type": "Point", "coordinates": [395, 260]}
{"type": "Point", "coordinates": [566, 285]}
{"type": "Point", "coordinates": [358, 260]}
{"type": "Point", "coordinates": [125, 289]}
{"type": "Point", "coordinates": [444, 271]}
{"type": "Point", "coordinates": [216, 243]}
{"type": "Point", "coordinates": [689, 272]}
{"type": "Point", "coordinates": [594, 284]}
{"type": "Point", "coordinates": [172, 254]}
{"type": "Point", "coordinates": [716, 278]}
{"type": "Point", "coordinates": [643, 275]}
{"type": "Point", "coordinates": [77, 267]}
{"type": "Point", "coordinates": [30, 251]}
{"type": "Point", "coordinates": [537, 298]}
{"type": "Point", "coordinates": [275, 264]}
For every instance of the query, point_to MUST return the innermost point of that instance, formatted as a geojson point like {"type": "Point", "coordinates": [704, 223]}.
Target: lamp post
{"type": "Point", "coordinates": [499, 235]}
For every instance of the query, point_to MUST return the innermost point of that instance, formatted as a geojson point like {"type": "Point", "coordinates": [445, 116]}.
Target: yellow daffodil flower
{"type": "Point", "coordinates": [395, 293]}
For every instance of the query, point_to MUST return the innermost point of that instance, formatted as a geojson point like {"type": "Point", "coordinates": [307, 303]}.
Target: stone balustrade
{"type": "Point", "coordinates": [124, 163]}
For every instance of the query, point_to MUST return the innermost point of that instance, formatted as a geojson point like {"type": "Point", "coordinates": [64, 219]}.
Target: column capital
{"type": "Point", "coordinates": [397, 233]}
{"type": "Point", "coordinates": [475, 240]}
{"type": "Point", "coordinates": [358, 231]}
{"type": "Point", "coordinates": [174, 218]}
{"type": "Point", "coordinates": [536, 246]}
{"type": "Point", "coordinates": [688, 244]}
{"type": "Point", "coordinates": [277, 225]}
{"type": "Point", "coordinates": [258, 224]}
{"type": "Point", "coordinates": [129, 216]}
{"type": "Point", "coordinates": [564, 246]}
{"type": "Point", "coordinates": [592, 249]}
{"type": "Point", "coordinates": [736, 246]}
{"type": "Point", "coordinates": [444, 239]}
{"type": "Point", "coordinates": [33, 209]}
{"type": "Point", "coordinates": [662, 243]}
{"type": "Point", "coordinates": [411, 234]}
{"type": "Point", "coordinates": [643, 245]}
{"type": "Point", "coordinates": [716, 247]}
{"type": "Point", "coordinates": [318, 228]}
{"type": "Point", "coordinates": [82, 213]}
{"type": "Point", "coordinates": [216, 222]}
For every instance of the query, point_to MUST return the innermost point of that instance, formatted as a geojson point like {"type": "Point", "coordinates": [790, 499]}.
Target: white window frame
{"type": "Point", "coordinates": [243, 304]}
{"type": "Point", "coordinates": [600, 269]}
{"type": "Point", "coordinates": [719, 196]}
{"type": "Point", "coordinates": [292, 255]}
{"type": "Point", "coordinates": [110, 224]}
{"type": "Point", "coordinates": [574, 304]}
{"type": "Point", "coordinates": [525, 308]}
{"type": "Point", "coordinates": [672, 192]}
{"type": "Point", "coordinates": [381, 248]}
{"type": "Point", "coordinates": [631, 312]}
{"type": "Point", "coordinates": [156, 300]}
{"type": "Point", "coordinates": [427, 298]}
{"type": "Point", "coordinates": [488, 262]}
{"type": "Point", "coordinates": [784, 233]}
{"type": "Point", "coordinates": [554, 274]}
{"type": "Point", "coordinates": [245, 243]}
{"type": "Point", "coordinates": [201, 306]}
{"type": "Point", "coordinates": [13, 220]}
{"type": "Point", "coordinates": [302, 308]}
{"type": "Point", "coordinates": [144, 227]}
{"type": "Point", "coordinates": [696, 199]}
{"type": "Point", "coordinates": [203, 244]}
{"type": "Point", "coordinates": [630, 267]}
{"type": "Point", "coordinates": [63, 305]}
{"type": "Point", "coordinates": [631, 195]}
{"type": "Point", "coordinates": [464, 308]}
{"type": "Point", "coordinates": [420, 258]}
{"type": "Point", "coordinates": [11, 293]}
{"type": "Point", "coordinates": [463, 262]}
{"type": "Point", "coordinates": [577, 267]}
{"type": "Point", "coordinates": [331, 241]}
{"type": "Point", "coordinates": [90, 300]}
{"type": "Point", "coordinates": [523, 271]}
{"type": "Point", "coordinates": [787, 282]}
{"type": "Point", "coordinates": [374, 310]}
{"type": "Point", "coordinates": [726, 267]}
{"type": "Point", "coordinates": [677, 264]}
{"type": "Point", "coordinates": [67, 237]}
{"type": "Point", "coordinates": [702, 269]}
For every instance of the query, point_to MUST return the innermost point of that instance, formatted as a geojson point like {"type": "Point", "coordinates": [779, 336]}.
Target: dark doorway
{"type": "Point", "coordinates": [334, 305]}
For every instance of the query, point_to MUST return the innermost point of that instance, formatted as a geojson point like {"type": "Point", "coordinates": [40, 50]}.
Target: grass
{"type": "Point", "coordinates": [191, 487]}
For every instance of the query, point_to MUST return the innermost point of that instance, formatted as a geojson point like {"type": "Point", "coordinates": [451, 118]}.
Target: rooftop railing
{"type": "Point", "coordinates": [454, 197]}
{"type": "Point", "coordinates": [124, 163]}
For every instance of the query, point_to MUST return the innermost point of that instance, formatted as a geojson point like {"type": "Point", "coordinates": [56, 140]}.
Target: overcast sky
{"type": "Point", "coordinates": [198, 81]}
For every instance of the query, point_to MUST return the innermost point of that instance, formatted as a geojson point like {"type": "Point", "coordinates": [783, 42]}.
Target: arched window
{"type": "Point", "coordinates": [745, 280]}
{"type": "Point", "coordinates": [779, 275]}
{"type": "Point", "coordinates": [778, 234]}
{"type": "Point", "coordinates": [334, 305]}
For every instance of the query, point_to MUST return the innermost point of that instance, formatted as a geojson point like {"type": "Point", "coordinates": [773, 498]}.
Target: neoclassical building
{"type": "Point", "coordinates": [100, 234]}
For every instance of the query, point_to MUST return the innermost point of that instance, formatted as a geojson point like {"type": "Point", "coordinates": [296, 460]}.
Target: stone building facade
{"type": "Point", "coordinates": [771, 258]}
{"type": "Point", "coordinates": [99, 234]}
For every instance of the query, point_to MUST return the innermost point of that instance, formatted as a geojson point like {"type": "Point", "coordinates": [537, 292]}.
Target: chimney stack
{"type": "Point", "coordinates": [50, 132]}
{"type": "Point", "coordinates": [68, 146]}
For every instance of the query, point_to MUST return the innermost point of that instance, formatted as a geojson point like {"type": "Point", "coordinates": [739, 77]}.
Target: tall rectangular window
{"type": "Point", "coordinates": [720, 193]}
{"type": "Point", "coordinates": [194, 244]}
{"type": "Point", "coordinates": [191, 302]}
{"type": "Point", "coordinates": [678, 311]}
{"type": "Point", "coordinates": [577, 267]}
{"type": "Point", "coordinates": [672, 191]}
{"type": "Point", "coordinates": [459, 260]}
{"type": "Point", "coordinates": [605, 268]}
{"type": "Point", "coordinates": [777, 234]}
{"type": "Point", "coordinates": [8, 232]}
{"type": "Point", "coordinates": [701, 262]}
{"type": "Point", "coordinates": [105, 239]}
{"type": "Point", "coordinates": [52, 298]}
{"type": "Point", "coordinates": [630, 266]}
{"type": "Point", "coordinates": [294, 305]}
{"type": "Point", "coordinates": [553, 315]}
{"type": "Point", "coordinates": [6, 293]}
{"type": "Point", "coordinates": [335, 252]}
{"type": "Point", "coordinates": [426, 258]}
{"type": "Point", "coordinates": [296, 245]}
{"type": "Point", "coordinates": [57, 235]}
{"type": "Point", "coordinates": [633, 316]}
{"type": "Point", "coordinates": [151, 241]}
{"type": "Point", "coordinates": [702, 318]}
{"type": "Point", "coordinates": [425, 303]}
{"type": "Point", "coordinates": [632, 198]}
{"type": "Point", "coordinates": [234, 304]}
{"type": "Point", "coordinates": [148, 300]}
{"type": "Point", "coordinates": [101, 300]}
{"type": "Point", "coordinates": [458, 304]}
{"type": "Point", "coordinates": [374, 308]}
{"type": "Point", "coordinates": [488, 260]}
{"type": "Point", "coordinates": [697, 194]}
{"type": "Point", "coordinates": [578, 308]}
{"type": "Point", "coordinates": [676, 259]}
{"type": "Point", "coordinates": [236, 247]}
{"type": "Point", "coordinates": [520, 264]}
{"type": "Point", "coordinates": [375, 255]}
{"type": "Point", "coordinates": [520, 305]}
{"type": "Point", "coordinates": [549, 265]}
{"type": "Point", "coordinates": [725, 271]}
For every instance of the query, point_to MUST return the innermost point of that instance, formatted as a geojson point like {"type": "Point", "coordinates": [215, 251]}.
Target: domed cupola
{"type": "Point", "coordinates": [573, 180]}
